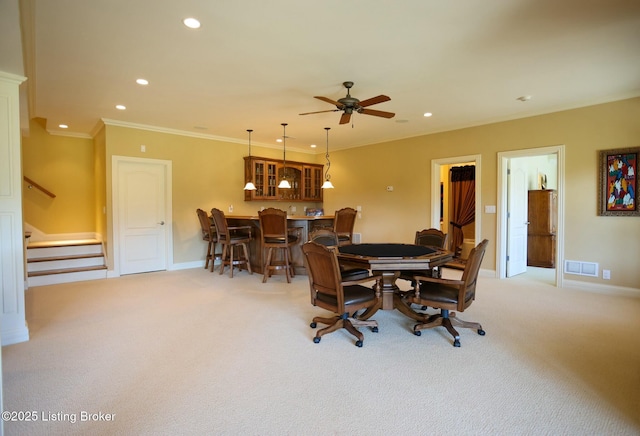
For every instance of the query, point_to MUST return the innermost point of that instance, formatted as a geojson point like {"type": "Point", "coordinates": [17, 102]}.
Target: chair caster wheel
{"type": "Point", "coordinates": [456, 343]}
{"type": "Point", "coordinates": [313, 325]}
{"type": "Point", "coordinates": [417, 332]}
{"type": "Point", "coordinates": [481, 332]}
{"type": "Point", "coordinates": [316, 340]}
{"type": "Point", "coordinates": [374, 329]}
{"type": "Point", "coordinates": [359, 344]}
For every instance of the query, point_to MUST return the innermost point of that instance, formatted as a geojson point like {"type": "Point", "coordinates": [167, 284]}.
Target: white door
{"type": "Point", "coordinates": [141, 215]}
{"type": "Point", "coordinates": [517, 218]}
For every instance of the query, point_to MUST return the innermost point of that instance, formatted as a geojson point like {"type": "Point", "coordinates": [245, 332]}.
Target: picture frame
{"type": "Point", "coordinates": [618, 180]}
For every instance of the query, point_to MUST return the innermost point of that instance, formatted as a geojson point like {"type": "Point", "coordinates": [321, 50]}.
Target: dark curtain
{"type": "Point", "coordinates": [463, 198]}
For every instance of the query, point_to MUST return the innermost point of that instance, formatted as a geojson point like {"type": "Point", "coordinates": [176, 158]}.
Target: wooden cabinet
{"type": "Point", "coordinates": [305, 180]}
{"type": "Point", "coordinates": [541, 232]}
{"type": "Point", "coordinates": [312, 182]}
{"type": "Point", "coordinates": [264, 178]}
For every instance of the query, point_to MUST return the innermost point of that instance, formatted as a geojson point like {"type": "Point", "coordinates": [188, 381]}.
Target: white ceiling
{"type": "Point", "coordinates": [255, 64]}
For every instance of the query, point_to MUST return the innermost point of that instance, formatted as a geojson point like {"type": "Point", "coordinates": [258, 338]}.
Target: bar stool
{"type": "Point", "coordinates": [209, 235]}
{"type": "Point", "coordinates": [230, 237]}
{"type": "Point", "coordinates": [275, 235]}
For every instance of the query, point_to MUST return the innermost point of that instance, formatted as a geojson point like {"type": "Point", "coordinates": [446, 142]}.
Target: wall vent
{"type": "Point", "coordinates": [581, 268]}
{"type": "Point", "coordinates": [357, 237]}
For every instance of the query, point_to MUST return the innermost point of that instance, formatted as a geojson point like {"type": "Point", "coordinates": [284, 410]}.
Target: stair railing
{"type": "Point", "coordinates": [33, 184]}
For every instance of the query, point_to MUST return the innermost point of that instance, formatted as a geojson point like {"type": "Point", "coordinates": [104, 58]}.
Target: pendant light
{"type": "Point", "coordinates": [284, 183]}
{"type": "Point", "coordinates": [250, 186]}
{"type": "Point", "coordinates": [327, 178]}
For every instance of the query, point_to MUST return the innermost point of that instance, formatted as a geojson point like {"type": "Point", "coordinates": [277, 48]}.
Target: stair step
{"type": "Point", "coordinates": [45, 249]}
{"type": "Point", "coordinates": [54, 258]}
{"type": "Point", "coordinates": [68, 277]}
{"type": "Point", "coordinates": [66, 270]}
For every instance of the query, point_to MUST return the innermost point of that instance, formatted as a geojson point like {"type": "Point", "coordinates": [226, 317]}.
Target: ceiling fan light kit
{"type": "Point", "coordinates": [348, 105]}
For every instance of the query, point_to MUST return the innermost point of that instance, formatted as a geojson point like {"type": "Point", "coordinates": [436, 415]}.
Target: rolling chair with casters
{"type": "Point", "coordinates": [446, 295]}
{"type": "Point", "coordinates": [329, 238]}
{"type": "Point", "coordinates": [329, 292]}
{"type": "Point", "coordinates": [343, 222]}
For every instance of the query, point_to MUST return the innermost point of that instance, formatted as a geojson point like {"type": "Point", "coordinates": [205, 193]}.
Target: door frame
{"type": "Point", "coordinates": [115, 202]}
{"type": "Point", "coordinates": [501, 222]}
{"type": "Point", "coordinates": [436, 165]}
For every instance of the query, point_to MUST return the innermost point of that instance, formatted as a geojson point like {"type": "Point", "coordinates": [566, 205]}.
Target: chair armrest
{"type": "Point", "coordinates": [438, 280]}
{"type": "Point", "coordinates": [371, 278]}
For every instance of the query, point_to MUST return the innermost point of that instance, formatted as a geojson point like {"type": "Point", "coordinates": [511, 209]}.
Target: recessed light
{"type": "Point", "coordinates": [120, 107]}
{"type": "Point", "coordinates": [313, 146]}
{"type": "Point", "coordinates": [191, 23]}
{"type": "Point", "coordinates": [63, 126]}
{"type": "Point", "coordinates": [279, 140]}
{"type": "Point", "coordinates": [428, 114]}
{"type": "Point", "coordinates": [142, 81]}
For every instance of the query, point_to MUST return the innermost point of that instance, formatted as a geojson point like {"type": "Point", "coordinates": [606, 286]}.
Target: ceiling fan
{"type": "Point", "coordinates": [350, 105]}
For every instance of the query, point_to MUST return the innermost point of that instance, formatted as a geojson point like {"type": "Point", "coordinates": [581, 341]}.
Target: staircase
{"type": "Point", "coordinates": [51, 262]}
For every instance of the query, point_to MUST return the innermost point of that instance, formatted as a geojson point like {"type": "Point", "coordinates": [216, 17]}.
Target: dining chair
{"type": "Point", "coordinates": [342, 298]}
{"type": "Point", "coordinates": [343, 222]}
{"type": "Point", "coordinates": [329, 238]}
{"type": "Point", "coordinates": [276, 236]}
{"type": "Point", "coordinates": [431, 238]}
{"type": "Point", "coordinates": [209, 235]}
{"type": "Point", "coordinates": [231, 237]}
{"type": "Point", "coordinates": [447, 295]}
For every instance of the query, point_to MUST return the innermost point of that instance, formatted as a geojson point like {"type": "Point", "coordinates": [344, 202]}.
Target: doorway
{"type": "Point", "coordinates": [437, 166]}
{"type": "Point", "coordinates": [509, 195]}
{"type": "Point", "coordinates": [141, 214]}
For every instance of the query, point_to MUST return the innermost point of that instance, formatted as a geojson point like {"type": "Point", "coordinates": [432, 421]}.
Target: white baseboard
{"type": "Point", "coordinates": [15, 336]}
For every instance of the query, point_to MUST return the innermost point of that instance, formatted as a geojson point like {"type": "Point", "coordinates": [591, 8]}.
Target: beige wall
{"type": "Point", "coordinates": [209, 173]}
{"type": "Point", "coordinates": [361, 178]}
{"type": "Point", "coordinates": [206, 174]}
{"type": "Point", "coordinates": [64, 166]}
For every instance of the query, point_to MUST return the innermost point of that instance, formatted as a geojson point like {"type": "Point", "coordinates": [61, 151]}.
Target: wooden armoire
{"type": "Point", "coordinates": [541, 232]}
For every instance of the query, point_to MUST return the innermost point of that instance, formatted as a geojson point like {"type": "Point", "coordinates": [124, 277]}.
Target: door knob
{"type": "Point", "coordinates": [161, 223]}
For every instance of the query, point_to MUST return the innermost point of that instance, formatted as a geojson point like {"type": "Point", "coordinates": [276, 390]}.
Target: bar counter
{"type": "Point", "coordinates": [300, 225]}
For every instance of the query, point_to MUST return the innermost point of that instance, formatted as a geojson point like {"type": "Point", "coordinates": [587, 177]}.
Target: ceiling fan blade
{"type": "Point", "coordinates": [328, 100]}
{"type": "Point", "coordinates": [374, 100]}
{"type": "Point", "coordinates": [377, 113]}
{"type": "Point", "coordinates": [319, 112]}
{"type": "Point", "coordinates": [344, 119]}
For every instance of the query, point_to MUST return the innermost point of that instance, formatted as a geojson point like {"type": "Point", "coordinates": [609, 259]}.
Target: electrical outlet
{"type": "Point", "coordinates": [230, 208]}
{"type": "Point", "coordinates": [606, 274]}
{"type": "Point", "coordinates": [293, 209]}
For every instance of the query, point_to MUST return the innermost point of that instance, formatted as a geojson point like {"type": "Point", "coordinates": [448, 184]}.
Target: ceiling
{"type": "Point", "coordinates": [257, 64]}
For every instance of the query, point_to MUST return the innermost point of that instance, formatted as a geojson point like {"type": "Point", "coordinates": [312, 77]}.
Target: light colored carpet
{"type": "Point", "coordinates": [191, 352]}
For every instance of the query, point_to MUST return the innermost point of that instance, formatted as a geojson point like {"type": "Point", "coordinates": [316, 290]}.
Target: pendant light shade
{"type": "Point", "coordinates": [250, 186]}
{"type": "Point", "coordinates": [284, 183]}
{"type": "Point", "coordinates": [327, 178]}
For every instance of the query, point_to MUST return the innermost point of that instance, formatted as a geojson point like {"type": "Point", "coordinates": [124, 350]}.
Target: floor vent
{"type": "Point", "coordinates": [581, 268]}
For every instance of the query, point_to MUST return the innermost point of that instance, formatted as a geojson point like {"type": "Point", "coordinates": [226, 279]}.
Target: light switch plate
{"type": "Point", "coordinates": [490, 209]}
